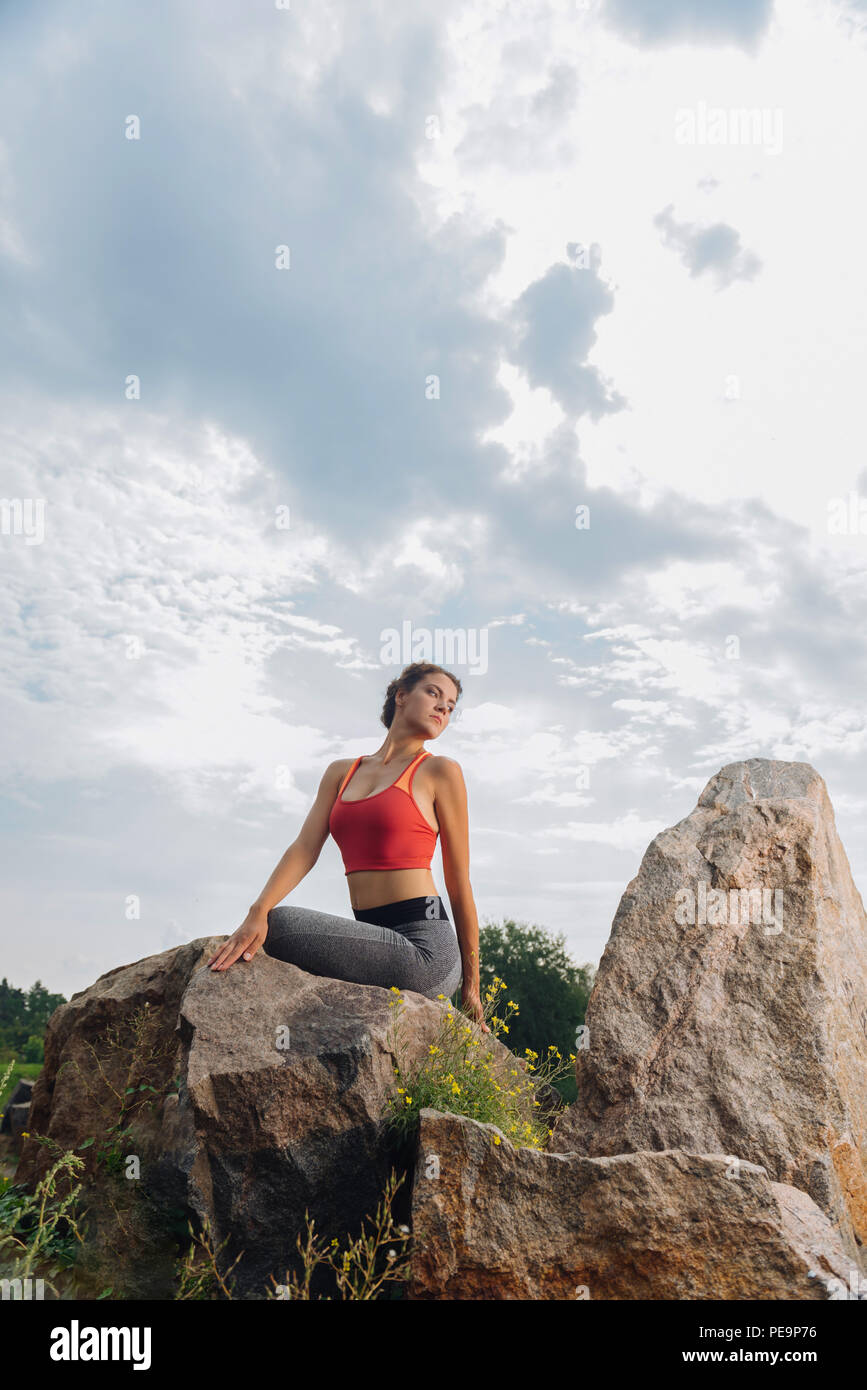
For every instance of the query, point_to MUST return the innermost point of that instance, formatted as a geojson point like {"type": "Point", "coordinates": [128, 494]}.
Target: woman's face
{"type": "Point", "coordinates": [428, 707]}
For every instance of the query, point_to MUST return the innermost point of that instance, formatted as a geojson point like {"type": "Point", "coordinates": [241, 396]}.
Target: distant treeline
{"type": "Point", "coordinates": [24, 1016]}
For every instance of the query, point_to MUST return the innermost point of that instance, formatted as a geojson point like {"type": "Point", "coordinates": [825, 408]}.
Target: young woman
{"type": "Point", "coordinates": [385, 812]}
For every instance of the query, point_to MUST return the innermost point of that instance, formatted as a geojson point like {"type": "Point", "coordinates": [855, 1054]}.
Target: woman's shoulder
{"type": "Point", "coordinates": [339, 764]}
{"type": "Point", "coordinates": [444, 770]}
{"type": "Point", "coordinates": [336, 771]}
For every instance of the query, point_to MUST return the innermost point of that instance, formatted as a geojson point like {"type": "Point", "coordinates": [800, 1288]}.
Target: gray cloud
{"type": "Point", "coordinates": [716, 249]}
{"type": "Point", "coordinates": [554, 320]}
{"type": "Point", "coordinates": [519, 130]}
{"type": "Point", "coordinates": [655, 22]}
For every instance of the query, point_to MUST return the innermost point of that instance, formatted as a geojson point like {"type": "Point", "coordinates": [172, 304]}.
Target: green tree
{"type": "Point", "coordinates": [549, 987]}
{"type": "Point", "coordinates": [24, 1015]}
{"type": "Point", "coordinates": [34, 1049]}
{"type": "Point", "coordinates": [41, 1005]}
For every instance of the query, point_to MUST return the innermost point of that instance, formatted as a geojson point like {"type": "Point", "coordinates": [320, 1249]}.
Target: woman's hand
{"type": "Point", "coordinates": [244, 942]}
{"type": "Point", "coordinates": [472, 1004]}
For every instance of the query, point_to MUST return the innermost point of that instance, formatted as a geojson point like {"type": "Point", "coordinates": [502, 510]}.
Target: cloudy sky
{"type": "Point", "coordinates": [544, 323]}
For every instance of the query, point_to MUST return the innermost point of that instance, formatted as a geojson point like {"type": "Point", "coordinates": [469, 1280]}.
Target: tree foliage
{"type": "Point", "coordinates": [549, 987]}
{"type": "Point", "coordinates": [24, 1016]}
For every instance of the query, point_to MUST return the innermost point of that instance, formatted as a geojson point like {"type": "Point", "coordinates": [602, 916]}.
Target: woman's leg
{"type": "Point", "coordinates": [422, 956]}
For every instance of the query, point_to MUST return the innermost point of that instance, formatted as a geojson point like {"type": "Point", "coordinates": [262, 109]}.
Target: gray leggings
{"type": "Point", "coordinates": [410, 944]}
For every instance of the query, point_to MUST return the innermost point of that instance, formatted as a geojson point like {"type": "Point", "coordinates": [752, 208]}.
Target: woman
{"type": "Point", "coordinates": [385, 812]}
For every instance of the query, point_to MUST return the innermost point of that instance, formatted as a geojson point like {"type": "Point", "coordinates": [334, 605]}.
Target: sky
{"type": "Point", "coordinates": [541, 325]}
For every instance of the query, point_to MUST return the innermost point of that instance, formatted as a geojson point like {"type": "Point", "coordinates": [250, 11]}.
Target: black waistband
{"type": "Point", "coordinates": [430, 907]}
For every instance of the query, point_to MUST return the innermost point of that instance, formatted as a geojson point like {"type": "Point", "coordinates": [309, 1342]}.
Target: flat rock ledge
{"type": "Point", "coordinates": [494, 1222]}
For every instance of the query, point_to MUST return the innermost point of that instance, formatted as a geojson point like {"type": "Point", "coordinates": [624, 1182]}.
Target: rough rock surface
{"type": "Point", "coordinates": [737, 1038]}
{"type": "Point", "coordinates": [494, 1222]}
{"type": "Point", "coordinates": [269, 1088]}
{"type": "Point", "coordinates": [265, 1133]}
{"type": "Point", "coordinates": [76, 1092]}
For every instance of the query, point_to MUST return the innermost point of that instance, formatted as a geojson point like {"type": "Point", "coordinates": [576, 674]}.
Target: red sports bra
{"type": "Point", "coordinates": [390, 833]}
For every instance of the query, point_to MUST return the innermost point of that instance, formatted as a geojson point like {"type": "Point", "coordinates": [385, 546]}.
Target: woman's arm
{"type": "Point", "coordinates": [298, 860]}
{"type": "Point", "coordinates": [450, 802]}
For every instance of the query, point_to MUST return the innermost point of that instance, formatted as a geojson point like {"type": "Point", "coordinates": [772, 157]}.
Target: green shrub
{"type": "Point", "coordinates": [39, 1234]}
{"type": "Point", "coordinates": [462, 1075]}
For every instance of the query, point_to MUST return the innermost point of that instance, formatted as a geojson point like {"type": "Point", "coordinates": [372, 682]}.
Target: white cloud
{"type": "Point", "coordinates": [141, 629]}
{"type": "Point", "coordinates": [256, 649]}
{"type": "Point", "coordinates": [629, 832]}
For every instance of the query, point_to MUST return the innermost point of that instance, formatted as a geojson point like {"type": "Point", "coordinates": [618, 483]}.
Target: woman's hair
{"type": "Point", "coordinates": [407, 680]}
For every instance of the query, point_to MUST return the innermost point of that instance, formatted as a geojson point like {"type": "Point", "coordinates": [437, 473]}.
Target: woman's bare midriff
{"type": "Point", "coordinates": [373, 887]}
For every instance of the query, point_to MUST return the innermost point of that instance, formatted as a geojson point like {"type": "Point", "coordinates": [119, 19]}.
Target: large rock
{"type": "Point", "coordinates": [92, 1056]}
{"type": "Point", "coordinates": [286, 1077]}
{"type": "Point", "coordinates": [269, 1091]}
{"type": "Point", "coordinates": [732, 1037]}
{"type": "Point", "coordinates": [494, 1222]}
